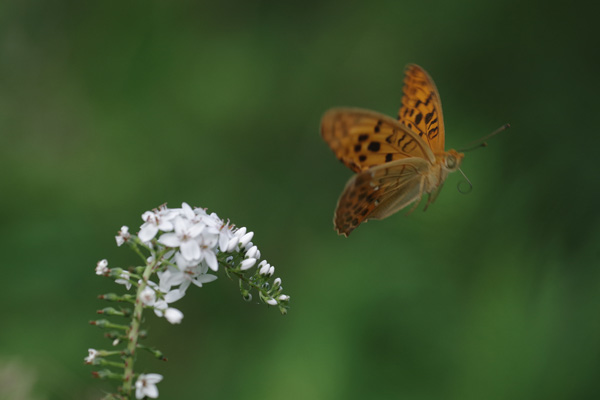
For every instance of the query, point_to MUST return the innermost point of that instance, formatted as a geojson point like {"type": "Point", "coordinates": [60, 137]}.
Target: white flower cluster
{"type": "Point", "coordinates": [184, 245]}
{"type": "Point", "coordinates": [194, 238]}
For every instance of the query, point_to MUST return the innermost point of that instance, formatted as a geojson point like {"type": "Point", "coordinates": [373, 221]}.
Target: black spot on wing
{"type": "Point", "coordinates": [428, 99]}
{"type": "Point", "coordinates": [418, 118]}
{"type": "Point", "coordinates": [374, 146]}
{"type": "Point", "coordinates": [376, 129]}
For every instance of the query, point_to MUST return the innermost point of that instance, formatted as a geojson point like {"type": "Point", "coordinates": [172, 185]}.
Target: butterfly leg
{"type": "Point", "coordinates": [433, 196]}
{"type": "Point", "coordinates": [430, 199]}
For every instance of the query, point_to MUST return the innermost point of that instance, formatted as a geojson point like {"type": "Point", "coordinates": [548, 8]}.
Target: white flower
{"type": "Point", "coordinates": [284, 297]}
{"type": "Point", "coordinates": [124, 280]}
{"type": "Point", "coordinates": [208, 243]}
{"type": "Point", "coordinates": [277, 282]}
{"type": "Point", "coordinates": [169, 278]}
{"type": "Point", "coordinates": [173, 277]}
{"type": "Point", "coordinates": [225, 235]}
{"type": "Point", "coordinates": [102, 267]}
{"type": "Point", "coordinates": [146, 386]}
{"type": "Point", "coordinates": [93, 353]}
{"type": "Point", "coordinates": [155, 221]}
{"type": "Point", "coordinates": [173, 315]}
{"type": "Point", "coordinates": [184, 238]}
{"type": "Point", "coordinates": [148, 296]}
{"type": "Point", "coordinates": [247, 264]}
{"type": "Point", "coordinates": [123, 235]}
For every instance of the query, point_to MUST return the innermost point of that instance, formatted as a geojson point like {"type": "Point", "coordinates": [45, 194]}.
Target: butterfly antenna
{"type": "Point", "coordinates": [482, 142]}
{"type": "Point", "coordinates": [468, 190]}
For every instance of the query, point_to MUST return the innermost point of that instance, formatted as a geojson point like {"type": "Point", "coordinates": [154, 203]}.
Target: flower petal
{"type": "Point", "coordinates": [169, 240]}
{"type": "Point", "coordinates": [190, 250]}
{"type": "Point", "coordinates": [148, 231]}
{"type": "Point", "coordinates": [174, 295]}
{"type": "Point", "coordinates": [211, 260]}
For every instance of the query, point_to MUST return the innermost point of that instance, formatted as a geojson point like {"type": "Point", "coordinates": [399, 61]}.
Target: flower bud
{"type": "Point", "coordinates": [272, 302]}
{"type": "Point", "coordinates": [232, 245]}
{"type": "Point", "coordinates": [244, 240]}
{"type": "Point", "coordinates": [251, 253]}
{"type": "Point", "coordinates": [173, 315]}
{"type": "Point", "coordinates": [247, 264]}
{"type": "Point", "coordinates": [264, 270]}
{"type": "Point", "coordinates": [240, 232]}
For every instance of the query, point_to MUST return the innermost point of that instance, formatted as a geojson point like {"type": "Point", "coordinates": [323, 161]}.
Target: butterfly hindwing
{"type": "Point", "coordinates": [362, 139]}
{"type": "Point", "coordinates": [379, 192]}
{"type": "Point", "coordinates": [421, 109]}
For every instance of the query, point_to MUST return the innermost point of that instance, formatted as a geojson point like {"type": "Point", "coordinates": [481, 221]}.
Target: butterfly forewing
{"type": "Point", "coordinates": [421, 109]}
{"type": "Point", "coordinates": [362, 139]}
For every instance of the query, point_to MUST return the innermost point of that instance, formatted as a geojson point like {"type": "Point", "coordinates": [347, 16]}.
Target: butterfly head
{"type": "Point", "coordinates": [452, 160]}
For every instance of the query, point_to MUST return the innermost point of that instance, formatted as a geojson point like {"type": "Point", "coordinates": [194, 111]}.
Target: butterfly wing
{"type": "Point", "coordinates": [362, 139]}
{"type": "Point", "coordinates": [421, 109]}
{"type": "Point", "coordinates": [379, 192]}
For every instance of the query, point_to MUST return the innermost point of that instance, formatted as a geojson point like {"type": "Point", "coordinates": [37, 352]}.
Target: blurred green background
{"type": "Point", "coordinates": [108, 109]}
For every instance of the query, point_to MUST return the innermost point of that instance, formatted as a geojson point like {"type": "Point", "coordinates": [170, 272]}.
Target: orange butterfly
{"type": "Point", "coordinates": [396, 162]}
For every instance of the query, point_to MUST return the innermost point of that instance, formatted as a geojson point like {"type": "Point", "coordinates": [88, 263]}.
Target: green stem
{"type": "Point", "coordinates": [240, 275]}
{"type": "Point", "coordinates": [111, 363]}
{"type": "Point", "coordinates": [134, 328]}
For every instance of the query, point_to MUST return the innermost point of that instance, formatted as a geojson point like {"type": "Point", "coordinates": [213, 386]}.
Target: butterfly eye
{"type": "Point", "coordinates": [451, 162]}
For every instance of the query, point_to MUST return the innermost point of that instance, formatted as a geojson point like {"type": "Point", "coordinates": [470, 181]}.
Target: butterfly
{"type": "Point", "coordinates": [396, 162]}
